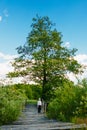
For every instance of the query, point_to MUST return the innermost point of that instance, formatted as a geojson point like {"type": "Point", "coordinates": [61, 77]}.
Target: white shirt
{"type": "Point", "coordinates": [39, 103]}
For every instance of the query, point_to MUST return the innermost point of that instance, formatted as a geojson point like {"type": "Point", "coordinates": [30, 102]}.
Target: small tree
{"type": "Point", "coordinates": [44, 58]}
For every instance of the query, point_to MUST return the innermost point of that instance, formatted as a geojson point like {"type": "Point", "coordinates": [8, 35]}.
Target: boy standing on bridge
{"type": "Point", "coordinates": [39, 105]}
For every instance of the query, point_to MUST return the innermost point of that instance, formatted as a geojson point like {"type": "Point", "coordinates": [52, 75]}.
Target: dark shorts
{"type": "Point", "coordinates": [39, 108]}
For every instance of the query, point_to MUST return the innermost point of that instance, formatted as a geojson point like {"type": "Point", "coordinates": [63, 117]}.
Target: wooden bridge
{"type": "Point", "coordinates": [32, 120]}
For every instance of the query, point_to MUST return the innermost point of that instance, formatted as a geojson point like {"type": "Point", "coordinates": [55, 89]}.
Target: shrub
{"type": "Point", "coordinates": [69, 101]}
{"type": "Point", "coordinates": [37, 91]}
{"type": "Point", "coordinates": [11, 103]}
{"type": "Point", "coordinates": [31, 91]}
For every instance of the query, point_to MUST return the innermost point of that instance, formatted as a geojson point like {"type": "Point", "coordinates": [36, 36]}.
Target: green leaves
{"type": "Point", "coordinates": [70, 101]}
{"type": "Point", "coordinates": [52, 61]}
{"type": "Point", "coordinates": [11, 103]}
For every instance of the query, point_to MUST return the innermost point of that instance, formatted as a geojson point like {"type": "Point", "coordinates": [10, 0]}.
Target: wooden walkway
{"type": "Point", "coordinates": [31, 120]}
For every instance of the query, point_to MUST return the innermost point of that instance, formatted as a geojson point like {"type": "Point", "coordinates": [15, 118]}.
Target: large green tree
{"type": "Point", "coordinates": [44, 56]}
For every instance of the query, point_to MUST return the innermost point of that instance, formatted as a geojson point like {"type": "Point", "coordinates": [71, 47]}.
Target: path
{"type": "Point", "coordinates": [31, 120]}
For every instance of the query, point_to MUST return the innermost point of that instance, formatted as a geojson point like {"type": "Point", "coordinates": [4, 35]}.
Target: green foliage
{"type": "Point", "coordinates": [31, 91]}
{"type": "Point", "coordinates": [44, 58]}
{"type": "Point", "coordinates": [32, 101]}
{"type": "Point", "coordinates": [28, 92]}
{"type": "Point", "coordinates": [70, 101]}
{"type": "Point", "coordinates": [36, 91]}
{"type": "Point", "coordinates": [81, 110]}
{"type": "Point", "coordinates": [25, 88]}
{"type": "Point", "coordinates": [13, 99]}
{"type": "Point", "coordinates": [11, 103]}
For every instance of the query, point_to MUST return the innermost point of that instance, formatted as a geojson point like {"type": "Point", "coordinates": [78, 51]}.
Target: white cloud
{"type": "Point", "coordinates": [5, 68]}
{"type": "Point", "coordinates": [67, 44]}
{"type": "Point", "coordinates": [6, 56]}
{"type": "Point", "coordinates": [82, 59]}
{"type": "Point", "coordinates": [5, 64]}
{"type": "Point", "coordinates": [0, 18]}
{"type": "Point", "coordinates": [72, 77]}
{"type": "Point", "coordinates": [5, 13]}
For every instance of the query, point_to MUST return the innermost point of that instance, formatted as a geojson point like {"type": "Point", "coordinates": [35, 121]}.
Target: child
{"type": "Point", "coordinates": [39, 104]}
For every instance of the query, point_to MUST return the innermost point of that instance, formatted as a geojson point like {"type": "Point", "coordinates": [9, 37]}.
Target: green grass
{"type": "Point", "coordinates": [31, 101]}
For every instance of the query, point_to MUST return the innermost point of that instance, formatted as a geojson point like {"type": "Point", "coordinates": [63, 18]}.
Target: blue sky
{"type": "Point", "coordinates": [16, 16]}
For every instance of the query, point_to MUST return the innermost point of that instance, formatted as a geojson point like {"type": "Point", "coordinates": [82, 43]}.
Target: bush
{"type": "Point", "coordinates": [11, 103]}
{"type": "Point", "coordinates": [36, 91]}
{"type": "Point", "coordinates": [69, 102]}
{"type": "Point", "coordinates": [31, 91]}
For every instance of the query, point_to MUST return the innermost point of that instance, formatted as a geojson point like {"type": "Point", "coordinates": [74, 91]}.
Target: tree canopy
{"type": "Point", "coordinates": [44, 57]}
